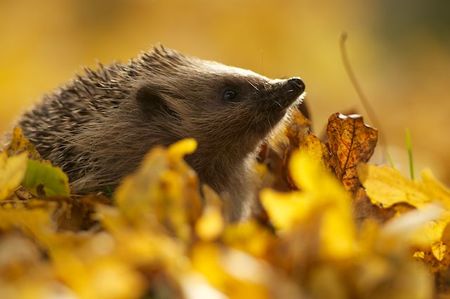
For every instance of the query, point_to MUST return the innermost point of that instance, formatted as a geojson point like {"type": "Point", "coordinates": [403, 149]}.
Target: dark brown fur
{"type": "Point", "coordinates": [99, 126]}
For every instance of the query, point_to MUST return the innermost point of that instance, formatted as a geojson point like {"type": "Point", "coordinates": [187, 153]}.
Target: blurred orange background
{"type": "Point", "coordinates": [400, 51]}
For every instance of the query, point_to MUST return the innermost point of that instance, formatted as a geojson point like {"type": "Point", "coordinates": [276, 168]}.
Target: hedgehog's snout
{"type": "Point", "coordinates": [288, 90]}
{"type": "Point", "coordinates": [296, 84]}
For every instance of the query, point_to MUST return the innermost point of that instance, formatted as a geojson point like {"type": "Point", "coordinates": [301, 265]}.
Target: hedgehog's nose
{"type": "Point", "coordinates": [297, 84]}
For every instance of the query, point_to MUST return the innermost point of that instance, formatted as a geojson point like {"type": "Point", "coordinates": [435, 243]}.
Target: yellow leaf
{"type": "Point", "coordinates": [211, 224]}
{"type": "Point", "coordinates": [237, 275]}
{"type": "Point", "coordinates": [435, 189]}
{"type": "Point", "coordinates": [165, 189]}
{"type": "Point", "coordinates": [12, 171]}
{"type": "Point", "coordinates": [307, 170]}
{"type": "Point", "coordinates": [419, 255]}
{"type": "Point", "coordinates": [338, 229]}
{"type": "Point", "coordinates": [206, 260]}
{"type": "Point", "coordinates": [316, 149]}
{"type": "Point", "coordinates": [322, 197]}
{"type": "Point", "coordinates": [286, 209]}
{"type": "Point", "coordinates": [326, 283]}
{"type": "Point", "coordinates": [430, 232]}
{"type": "Point", "coordinates": [250, 237]}
{"type": "Point", "coordinates": [99, 277]}
{"type": "Point", "coordinates": [439, 250]}
{"type": "Point", "coordinates": [34, 222]}
{"type": "Point", "coordinates": [182, 148]}
{"type": "Point", "coordinates": [386, 187]}
{"type": "Point", "coordinates": [338, 234]}
{"type": "Point", "coordinates": [142, 243]}
{"type": "Point", "coordinates": [420, 227]}
{"type": "Point", "coordinates": [19, 144]}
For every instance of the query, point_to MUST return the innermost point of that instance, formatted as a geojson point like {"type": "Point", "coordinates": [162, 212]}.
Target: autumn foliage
{"type": "Point", "coordinates": [329, 226]}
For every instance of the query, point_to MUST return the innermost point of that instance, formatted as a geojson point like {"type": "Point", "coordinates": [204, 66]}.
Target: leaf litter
{"type": "Point", "coordinates": [330, 225]}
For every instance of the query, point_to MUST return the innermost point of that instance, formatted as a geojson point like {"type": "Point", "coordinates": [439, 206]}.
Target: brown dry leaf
{"type": "Point", "coordinates": [350, 142]}
{"type": "Point", "coordinates": [297, 129]}
{"type": "Point", "coordinates": [275, 155]}
{"type": "Point", "coordinates": [363, 208]}
{"type": "Point", "coordinates": [77, 214]}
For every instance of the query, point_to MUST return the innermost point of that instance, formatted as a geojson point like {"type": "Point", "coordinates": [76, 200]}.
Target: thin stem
{"type": "Point", "coordinates": [408, 141]}
{"type": "Point", "coordinates": [362, 97]}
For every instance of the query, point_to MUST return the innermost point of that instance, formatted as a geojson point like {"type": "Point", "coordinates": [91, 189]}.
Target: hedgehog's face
{"type": "Point", "coordinates": [217, 104]}
{"type": "Point", "coordinates": [238, 102]}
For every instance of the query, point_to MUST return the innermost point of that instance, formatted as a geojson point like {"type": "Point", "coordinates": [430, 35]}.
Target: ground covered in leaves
{"type": "Point", "coordinates": [330, 226]}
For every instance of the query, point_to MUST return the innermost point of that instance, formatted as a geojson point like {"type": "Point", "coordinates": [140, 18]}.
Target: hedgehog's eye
{"type": "Point", "coordinates": [229, 95]}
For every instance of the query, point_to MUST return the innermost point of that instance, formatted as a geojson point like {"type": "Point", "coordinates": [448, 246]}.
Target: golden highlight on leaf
{"type": "Point", "coordinates": [322, 197]}
{"type": "Point", "coordinates": [20, 144]}
{"type": "Point", "coordinates": [211, 223]}
{"type": "Point", "coordinates": [12, 171]}
{"type": "Point", "coordinates": [386, 187]}
{"type": "Point", "coordinates": [164, 188]}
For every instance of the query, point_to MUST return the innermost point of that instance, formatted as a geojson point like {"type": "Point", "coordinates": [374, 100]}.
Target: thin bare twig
{"type": "Point", "coordinates": [362, 97]}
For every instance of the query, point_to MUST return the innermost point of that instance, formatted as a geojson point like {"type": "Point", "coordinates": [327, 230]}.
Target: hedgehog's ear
{"type": "Point", "coordinates": [151, 102]}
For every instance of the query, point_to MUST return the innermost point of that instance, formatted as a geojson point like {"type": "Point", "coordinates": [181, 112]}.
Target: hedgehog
{"type": "Point", "coordinates": [99, 126]}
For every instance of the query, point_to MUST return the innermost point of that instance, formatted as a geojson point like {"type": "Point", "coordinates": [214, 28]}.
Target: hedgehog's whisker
{"type": "Point", "coordinates": [253, 85]}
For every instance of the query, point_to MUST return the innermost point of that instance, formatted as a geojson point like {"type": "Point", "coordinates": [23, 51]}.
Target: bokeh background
{"type": "Point", "coordinates": [399, 49]}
